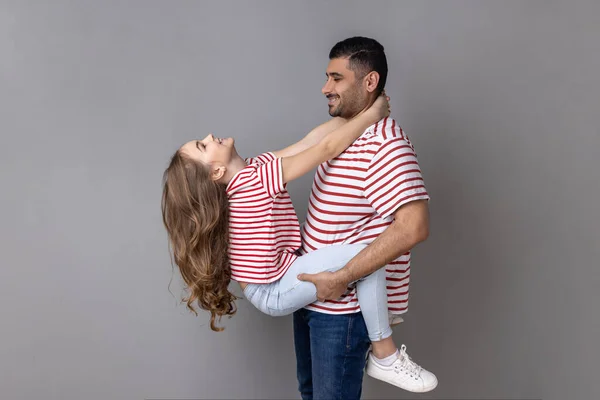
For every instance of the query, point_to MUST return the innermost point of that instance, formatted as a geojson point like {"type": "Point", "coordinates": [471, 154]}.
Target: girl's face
{"type": "Point", "coordinates": [211, 150]}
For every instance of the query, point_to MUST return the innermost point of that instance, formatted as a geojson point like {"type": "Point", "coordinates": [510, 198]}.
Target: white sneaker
{"type": "Point", "coordinates": [404, 373]}
{"type": "Point", "coordinates": [395, 319]}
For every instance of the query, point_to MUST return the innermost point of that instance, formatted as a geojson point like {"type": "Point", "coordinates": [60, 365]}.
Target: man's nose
{"type": "Point", "coordinates": [326, 88]}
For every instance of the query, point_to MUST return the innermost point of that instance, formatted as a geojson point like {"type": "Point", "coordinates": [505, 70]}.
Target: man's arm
{"type": "Point", "coordinates": [410, 227]}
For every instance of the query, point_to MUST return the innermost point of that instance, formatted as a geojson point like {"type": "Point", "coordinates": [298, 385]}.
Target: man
{"type": "Point", "coordinates": [372, 193]}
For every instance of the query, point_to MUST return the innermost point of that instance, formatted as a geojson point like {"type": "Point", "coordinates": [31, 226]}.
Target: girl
{"type": "Point", "coordinates": [230, 218]}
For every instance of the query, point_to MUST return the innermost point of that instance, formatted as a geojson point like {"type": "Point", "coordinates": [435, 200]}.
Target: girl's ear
{"type": "Point", "coordinates": [217, 172]}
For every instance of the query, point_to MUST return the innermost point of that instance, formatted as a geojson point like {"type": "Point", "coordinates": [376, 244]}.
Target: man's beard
{"type": "Point", "coordinates": [352, 104]}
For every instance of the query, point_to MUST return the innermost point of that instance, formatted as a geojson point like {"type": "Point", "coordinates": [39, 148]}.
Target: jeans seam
{"type": "Point", "coordinates": [348, 347]}
{"type": "Point", "coordinates": [281, 294]}
{"type": "Point", "coordinates": [380, 331]}
{"type": "Point", "coordinates": [290, 289]}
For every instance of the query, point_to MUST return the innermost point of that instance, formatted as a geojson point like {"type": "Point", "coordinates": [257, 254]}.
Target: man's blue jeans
{"type": "Point", "coordinates": [331, 352]}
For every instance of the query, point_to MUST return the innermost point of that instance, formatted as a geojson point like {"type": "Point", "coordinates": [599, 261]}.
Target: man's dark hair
{"type": "Point", "coordinates": [364, 55]}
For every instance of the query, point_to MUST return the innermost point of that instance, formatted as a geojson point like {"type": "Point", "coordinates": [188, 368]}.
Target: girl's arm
{"type": "Point", "coordinates": [335, 143]}
{"type": "Point", "coordinates": [312, 138]}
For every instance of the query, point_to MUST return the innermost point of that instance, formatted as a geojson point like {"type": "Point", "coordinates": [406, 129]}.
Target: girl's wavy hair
{"type": "Point", "coordinates": [195, 212]}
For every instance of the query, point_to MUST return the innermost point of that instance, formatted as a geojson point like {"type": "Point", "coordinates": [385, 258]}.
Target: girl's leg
{"type": "Point", "coordinates": [289, 294]}
{"type": "Point", "coordinates": [372, 297]}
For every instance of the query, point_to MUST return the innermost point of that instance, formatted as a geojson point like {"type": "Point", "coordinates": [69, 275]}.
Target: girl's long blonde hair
{"type": "Point", "coordinates": [195, 212]}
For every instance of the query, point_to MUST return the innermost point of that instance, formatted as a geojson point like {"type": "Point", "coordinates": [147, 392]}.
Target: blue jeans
{"type": "Point", "coordinates": [288, 294]}
{"type": "Point", "coordinates": [331, 352]}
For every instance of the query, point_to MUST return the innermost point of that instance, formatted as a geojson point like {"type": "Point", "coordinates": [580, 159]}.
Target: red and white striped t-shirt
{"type": "Point", "coordinates": [353, 199]}
{"type": "Point", "coordinates": [264, 231]}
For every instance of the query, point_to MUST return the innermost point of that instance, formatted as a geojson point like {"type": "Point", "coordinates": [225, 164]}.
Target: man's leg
{"type": "Point", "coordinates": [339, 345]}
{"type": "Point", "coordinates": [303, 357]}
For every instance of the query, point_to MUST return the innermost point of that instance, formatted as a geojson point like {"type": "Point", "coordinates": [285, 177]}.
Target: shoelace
{"type": "Point", "coordinates": [409, 365]}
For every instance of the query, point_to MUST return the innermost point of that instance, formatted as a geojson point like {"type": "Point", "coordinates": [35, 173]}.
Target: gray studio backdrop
{"type": "Point", "coordinates": [501, 100]}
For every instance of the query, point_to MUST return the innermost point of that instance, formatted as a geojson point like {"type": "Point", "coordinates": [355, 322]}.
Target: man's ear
{"type": "Point", "coordinates": [371, 80]}
{"type": "Point", "coordinates": [217, 171]}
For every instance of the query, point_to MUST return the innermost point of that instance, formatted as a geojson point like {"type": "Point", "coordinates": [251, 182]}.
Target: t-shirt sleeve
{"type": "Point", "coordinates": [260, 159]}
{"type": "Point", "coordinates": [394, 177]}
{"type": "Point", "coordinates": [270, 174]}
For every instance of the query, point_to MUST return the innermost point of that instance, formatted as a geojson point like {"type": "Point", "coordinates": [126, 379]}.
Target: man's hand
{"type": "Point", "coordinates": [329, 285]}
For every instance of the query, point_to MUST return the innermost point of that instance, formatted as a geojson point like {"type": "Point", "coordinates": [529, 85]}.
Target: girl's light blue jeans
{"type": "Point", "coordinates": [289, 294]}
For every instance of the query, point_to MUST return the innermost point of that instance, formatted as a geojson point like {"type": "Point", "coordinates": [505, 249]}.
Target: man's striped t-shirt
{"type": "Point", "coordinates": [354, 198]}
